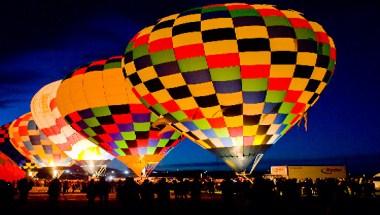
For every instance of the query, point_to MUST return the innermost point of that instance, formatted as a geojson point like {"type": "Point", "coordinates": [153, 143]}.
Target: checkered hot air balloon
{"type": "Point", "coordinates": [34, 145]}
{"type": "Point", "coordinates": [233, 78]}
{"type": "Point", "coordinates": [7, 148]}
{"type": "Point", "coordinates": [4, 136]}
{"type": "Point", "coordinates": [97, 102]}
{"type": "Point", "coordinates": [50, 121]}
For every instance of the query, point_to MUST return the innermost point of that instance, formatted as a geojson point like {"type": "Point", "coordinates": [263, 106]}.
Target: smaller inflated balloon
{"type": "Point", "coordinates": [34, 145]}
{"type": "Point", "coordinates": [50, 121]}
{"type": "Point", "coordinates": [7, 148]}
{"type": "Point", "coordinates": [98, 103]}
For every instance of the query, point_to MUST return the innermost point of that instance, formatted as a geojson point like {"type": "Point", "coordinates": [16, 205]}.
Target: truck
{"type": "Point", "coordinates": [313, 172]}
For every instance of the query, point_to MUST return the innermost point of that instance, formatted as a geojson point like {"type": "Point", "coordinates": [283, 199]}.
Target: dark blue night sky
{"type": "Point", "coordinates": [42, 41]}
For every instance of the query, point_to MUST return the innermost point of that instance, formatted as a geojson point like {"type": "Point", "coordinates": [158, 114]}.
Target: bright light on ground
{"type": "Point", "coordinates": [55, 173]}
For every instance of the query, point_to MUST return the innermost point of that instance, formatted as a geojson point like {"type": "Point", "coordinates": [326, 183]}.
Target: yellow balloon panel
{"type": "Point", "coordinates": [98, 88]}
{"type": "Point", "coordinates": [137, 164]}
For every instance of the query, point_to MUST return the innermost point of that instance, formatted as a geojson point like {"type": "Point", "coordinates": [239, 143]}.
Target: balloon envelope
{"type": "Point", "coordinates": [7, 148]}
{"type": "Point", "coordinates": [97, 102]}
{"type": "Point", "coordinates": [34, 145]}
{"type": "Point", "coordinates": [50, 121]}
{"type": "Point", "coordinates": [9, 171]}
{"type": "Point", "coordinates": [4, 135]}
{"type": "Point", "coordinates": [234, 78]}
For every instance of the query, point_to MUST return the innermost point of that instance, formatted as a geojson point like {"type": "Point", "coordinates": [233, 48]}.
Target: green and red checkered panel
{"type": "Point", "coordinates": [109, 114]}
{"type": "Point", "coordinates": [123, 130]}
{"type": "Point", "coordinates": [231, 74]}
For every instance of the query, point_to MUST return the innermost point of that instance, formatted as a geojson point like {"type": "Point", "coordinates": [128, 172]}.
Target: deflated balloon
{"type": "Point", "coordinates": [9, 171]}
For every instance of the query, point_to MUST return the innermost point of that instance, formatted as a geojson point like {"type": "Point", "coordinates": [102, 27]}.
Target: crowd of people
{"type": "Point", "coordinates": [228, 195]}
{"type": "Point", "coordinates": [148, 190]}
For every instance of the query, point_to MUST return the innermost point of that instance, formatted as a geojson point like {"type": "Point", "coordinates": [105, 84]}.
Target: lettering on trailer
{"type": "Point", "coordinates": [330, 171]}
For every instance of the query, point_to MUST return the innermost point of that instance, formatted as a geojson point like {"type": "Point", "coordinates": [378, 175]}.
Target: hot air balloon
{"type": "Point", "coordinates": [34, 145]}
{"type": "Point", "coordinates": [4, 136]}
{"type": "Point", "coordinates": [9, 171]}
{"type": "Point", "coordinates": [233, 78]}
{"type": "Point", "coordinates": [97, 102]}
{"type": "Point", "coordinates": [7, 148]}
{"type": "Point", "coordinates": [50, 121]}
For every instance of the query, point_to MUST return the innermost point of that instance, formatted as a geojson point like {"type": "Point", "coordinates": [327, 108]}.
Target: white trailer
{"type": "Point", "coordinates": [313, 172]}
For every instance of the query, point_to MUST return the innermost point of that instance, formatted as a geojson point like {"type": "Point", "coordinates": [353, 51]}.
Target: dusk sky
{"type": "Point", "coordinates": [42, 41]}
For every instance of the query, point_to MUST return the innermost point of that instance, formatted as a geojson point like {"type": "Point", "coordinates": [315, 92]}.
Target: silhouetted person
{"type": "Point", "coordinates": [65, 186]}
{"type": "Point", "coordinates": [307, 185]}
{"type": "Point", "coordinates": [73, 187]}
{"type": "Point", "coordinates": [24, 186]}
{"type": "Point", "coordinates": [91, 192]}
{"type": "Point", "coordinates": [120, 194]}
{"type": "Point", "coordinates": [243, 187]}
{"type": "Point", "coordinates": [54, 190]}
{"type": "Point", "coordinates": [227, 191]}
{"type": "Point", "coordinates": [261, 193]}
{"type": "Point", "coordinates": [163, 196]}
{"type": "Point", "coordinates": [369, 190]}
{"type": "Point", "coordinates": [183, 188]}
{"type": "Point", "coordinates": [147, 193]}
{"type": "Point", "coordinates": [342, 191]}
{"type": "Point", "coordinates": [163, 191]}
{"type": "Point", "coordinates": [130, 194]}
{"type": "Point", "coordinates": [210, 187]}
{"type": "Point", "coordinates": [84, 187]}
{"type": "Point", "coordinates": [355, 187]}
{"type": "Point", "coordinates": [196, 187]}
{"type": "Point", "coordinates": [176, 187]}
{"type": "Point", "coordinates": [103, 188]}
